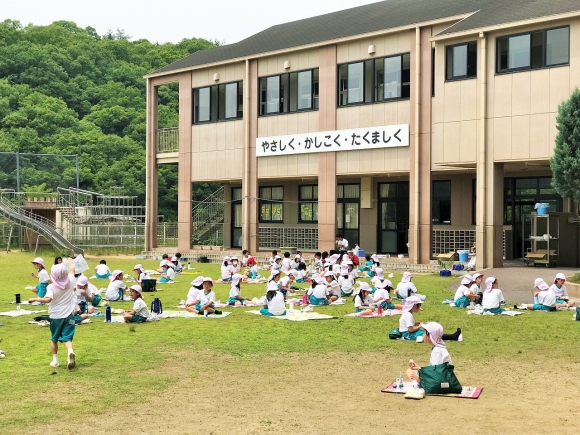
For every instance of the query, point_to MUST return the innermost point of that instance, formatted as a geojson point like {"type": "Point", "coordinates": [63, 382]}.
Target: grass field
{"type": "Point", "coordinates": [116, 360]}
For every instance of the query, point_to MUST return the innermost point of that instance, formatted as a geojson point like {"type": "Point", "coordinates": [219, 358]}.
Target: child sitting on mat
{"type": "Point", "coordinates": [378, 278]}
{"type": "Point", "coordinates": [302, 275]}
{"type": "Point", "coordinates": [406, 288]}
{"type": "Point", "coordinates": [167, 273]}
{"type": "Point", "coordinates": [332, 286]}
{"type": "Point", "coordinates": [560, 291]}
{"type": "Point", "coordinates": [382, 296]}
{"type": "Point", "coordinates": [141, 274]}
{"type": "Point", "coordinates": [84, 295]}
{"type": "Point", "coordinates": [285, 284]}
{"type": "Point", "coordinates": [433, 335]}
{"type": "Point", "coordinates": [492, 297]}
{"type": "Point", "coordinates": [140, 313]}
{"type": "Point", "coordinates": [463, 296]}
{"type": "Point", "coordinates": [236, 298]}
{"type": "Point", "coordinates": [43, 278]}
{"type": "Point", "coordinates": [363, 301]}
{"type": "Point", "coordinates": [318, 293]}
{"type": "Point", "coordinates": [196, 287]}
{"type": "Point", "coordinates": [274, 304]}
{"type": "Point", "coordinates": [116, 286]}
{"type": "Point", "coordinates": [409, 329]}
{"type": "Point", "coordinates": [346, 282]}
{"type": "Point", "coordinates": [205, 300]}
{"type": "Point", "coordinates": [102, 271]}
{"type": "Point", "coordinates": [546, 298]}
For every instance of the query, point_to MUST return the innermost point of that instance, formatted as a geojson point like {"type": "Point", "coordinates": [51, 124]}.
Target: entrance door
{"type": "Point", "coordinates": [523, 227]}
{"type": "Point", "coordinates": [347, 212]}
{"type": "Point", "coordinates": [236, 217]}
{"type": "Point", "coordinates": [393, 228]}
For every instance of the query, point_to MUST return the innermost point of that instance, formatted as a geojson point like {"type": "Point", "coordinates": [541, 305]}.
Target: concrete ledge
{"type": "Point", "coordinates": [573, 289]}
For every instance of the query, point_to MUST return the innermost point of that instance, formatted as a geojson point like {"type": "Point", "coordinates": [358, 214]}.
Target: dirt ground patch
{"type": "Point", "coordinates": [336, 393]}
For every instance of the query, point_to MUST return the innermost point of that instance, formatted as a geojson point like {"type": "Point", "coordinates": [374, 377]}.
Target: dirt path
{"type": "Point", "coordinates": [336, 394]}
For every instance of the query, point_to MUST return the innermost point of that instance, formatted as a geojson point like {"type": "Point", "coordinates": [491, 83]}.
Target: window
{"type": "Point", "coordinates": [308, 199]}
{"type": "Point", "coordinates": [287, 93]}
{"type": "Point", "coordinates": [375, 80]}
{"type": "Point", "coordinates": [461, 61]}
{"type": "Point", "coordinates": [539, 49]}
{"type": "Point", "coordinates": [218, 103]}
{"type": "Point", "coordinates": [272, 204]}
{"type": "Point", "coordinates": [441, 202]}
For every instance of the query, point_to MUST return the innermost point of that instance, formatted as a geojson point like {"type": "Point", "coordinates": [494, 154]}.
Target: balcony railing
{"type": "Point", "coordinates": [167, 140]}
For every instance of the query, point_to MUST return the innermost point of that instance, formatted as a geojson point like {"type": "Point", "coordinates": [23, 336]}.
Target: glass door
{"type": "Point", "coordinates": [393, 228]}
{"type": "Point", "coordinates": [236, 217]}
{"type": "Point", "coordinates": [347, 212]}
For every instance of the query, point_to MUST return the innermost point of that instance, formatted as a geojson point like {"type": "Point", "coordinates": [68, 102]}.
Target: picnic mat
{"type": "Point", "coordinates": [375, 315]}
{"type": "Point", "coordinates": [28, 303]}
{"type": "Point", "coordinates": [466, 393]}
{"type": "Point", "coordinates": [296, 316]}
{"type": "Point", "coordinates": [16, 313]}
{"type": "Point", "coordinates": [187, 314]}
{"type": "Point", "coordinates": [505, 313]}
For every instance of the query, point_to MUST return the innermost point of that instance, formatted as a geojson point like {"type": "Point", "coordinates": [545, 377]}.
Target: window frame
{"type": "Point", "coordinates": [373, 90]}
{"type": "Point", "coordinates": [214, 89]}
{"type": "Point", "coordinates": [285, 93]}
{"type": "Point", "coordinates": [307, 201]}
{"type": "Point", "coordinates": [467, 76]}
{"type": "Point", "coordinates": [438, 199]}
{"type": "Point", "coordinates": [271, 202]}
{"type": "Point", "coordinates": [544, 51]}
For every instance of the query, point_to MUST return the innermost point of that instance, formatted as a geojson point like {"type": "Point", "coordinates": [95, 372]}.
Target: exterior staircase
{"type": "Point", "coordinates": [208, 220]}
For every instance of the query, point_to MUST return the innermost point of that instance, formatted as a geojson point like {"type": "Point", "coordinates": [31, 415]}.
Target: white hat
{"type": "Point", "coordinates": [136, 288]}
{"type": "Point", "coordinates": [233, 258]}
{"type": "Point", "coordinates": [293, 273]}
{"type": "Point", "coordinates": [410, 302]}
{"type": "Point", "coordinates": [272, 286]}
{"type": "Point", "coordinates": [277, 257]}
{"type": "Point", "coordinates": [343, 269]}
{"type": "Point", "coordinates": [329, 273]}
{"type": "Point", "coordinates": [38, 260]}
{"type": "Point", "coordinates": [82, 280]}
{"type": "Point", "coordinates": [297, 256]}
{"type": "Point", "coordinates": [208, 279]}
{"type": "Point", "coordinates": [561, 276]}
{"type": "Point", "coordinates": [137, 267]}
{"type": "Point", "coordinates": [384, 284]}
{"type": "Point", "coordinates": [467, 279]}
{"type": "Point", "coordinates": [274, 273]}
{"type": "Point", "coordinates": [174, 259]}
{"type": "Point", "coordinates": [236, 278]}
{"type": "Point", "coordinates": [407, 277]}
{"type": "Point", "coordinates": [541, 284]}
{"type": "Point", "coordinates": [115, 274]}
{"type": "Point", "coordinates": [227, 258]}
{"type": "Point", "coordinates": [477, 275]}
{"type": "Point", "coordinates": [375, 258]}
{"type": "Point", "coordinates": [364, 286]}
{"type": "Point", "coordinates": [379, 272]}
{"type": "Point", "coordinates": [197, 281]}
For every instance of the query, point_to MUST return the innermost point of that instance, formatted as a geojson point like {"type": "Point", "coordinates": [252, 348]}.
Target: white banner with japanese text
{"type": "Point", "coordinates": [367, 138]}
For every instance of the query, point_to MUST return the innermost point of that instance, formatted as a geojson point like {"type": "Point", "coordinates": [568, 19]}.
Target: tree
{"type": "Point", "coordinates": [565, 162]}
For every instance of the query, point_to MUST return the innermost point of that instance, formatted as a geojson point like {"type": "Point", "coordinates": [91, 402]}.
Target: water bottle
{"type": "Point", "coordinates": [305, 299]}
{"type": "Point", "coordinates": [379, 309]}
{"type": "Point", "coordinates": [18, 307]}
{"type": "Point", "coordinates": [401, 382]}
{"type": "Point", "coordinates": [291, 304]}
{"type": "Point", "coordinates": [108, 314]}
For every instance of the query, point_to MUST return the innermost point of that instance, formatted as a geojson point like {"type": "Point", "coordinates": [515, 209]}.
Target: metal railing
{"type": "Point", "coordinates": [208, 219]}
{"type": "Point", "coordinates": [167, 140]}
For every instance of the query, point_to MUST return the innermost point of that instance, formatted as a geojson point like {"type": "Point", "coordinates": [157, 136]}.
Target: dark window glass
{"type": "Point", "coordinates": [558, 46]}
{"type": "Point", "coordinates": [441, 202]}
{"type": "Point", "coordinates": [461, 61]}
{"type": "Point", "coordinates": [218, 103]}
{"type": "Point", "coordinates": [202, 98]}
{"type": "Point", "coordinates": [537, 49]}
{"type": "Point", "coordinates": [290, 92]}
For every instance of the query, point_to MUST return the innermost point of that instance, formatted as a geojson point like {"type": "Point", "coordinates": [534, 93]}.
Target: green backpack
{"type": "Point", "coordinates": [439, 379]}
{"type": "Point", "coordinates": [395, 334]}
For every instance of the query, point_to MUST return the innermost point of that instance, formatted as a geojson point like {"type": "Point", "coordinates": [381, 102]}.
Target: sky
{"type": "Point", "coordinates": [162, 21]}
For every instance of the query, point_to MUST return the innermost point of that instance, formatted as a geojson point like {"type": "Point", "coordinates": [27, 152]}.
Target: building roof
{"type": "Point", "coordinates": [387, 14]}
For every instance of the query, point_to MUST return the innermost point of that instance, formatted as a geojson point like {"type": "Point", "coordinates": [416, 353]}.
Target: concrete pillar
{"type": "Point", "coordinates": [184, 194]}
{"type": "Point", "coordinates": [420, 226]}
{"type": "Point", "coordinates": [151, 175]}
{"type": "Point", "coordinates": [250, 163]}
{"type": "Point", "coordinates": [327, 161]}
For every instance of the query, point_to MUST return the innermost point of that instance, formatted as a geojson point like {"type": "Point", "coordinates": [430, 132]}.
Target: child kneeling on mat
{"type": "Point", "coordinates": [409, 329]}
{"type": "Point", "coordinates": [140, 313]}
{"type": "Point", "coordinates": [274, 304]}
{"type": "Point", "coordinates": [433, 333]}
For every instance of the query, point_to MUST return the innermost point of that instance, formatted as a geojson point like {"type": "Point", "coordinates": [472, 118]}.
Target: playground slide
{"type": "Point", "coordinates": [42, 226]}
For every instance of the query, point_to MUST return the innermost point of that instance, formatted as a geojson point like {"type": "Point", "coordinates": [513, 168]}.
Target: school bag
{"type": "Point", "coordinates": [439, 379]}
{"type": "Point", "coordinates": [395, 334]}
{"type": "Point", "coordinates": [148, 285]}
{"type": "Point", "coordinates": [577, 313]}
{"type": "Point", "coordinates": [156, 306]}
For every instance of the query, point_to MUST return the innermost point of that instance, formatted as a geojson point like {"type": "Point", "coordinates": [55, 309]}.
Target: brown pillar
{"type": "Point", "coordinates": [420, 149]}
{"type": "Point", "coordinates": [184, 193]}
{"type": "Point", "coordinates": [151, 176]}
{"type": "Point", "coordinates": [327, 161]}
{"type": "Point", "coordinates": [250, 164]}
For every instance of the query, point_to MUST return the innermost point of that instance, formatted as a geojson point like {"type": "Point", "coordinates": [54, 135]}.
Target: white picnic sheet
{"type": "Point", "coordinates": [296, 316]}
{"type": "Point", "coordinates": [375, 315]}
{"type": "Point", "coordinates": [17, 313]}
{"type": "Point", "coordinates": [173, 315]}
{"type": "Point", "coordinates": [480, 312]}
{"type": "Point", "coordinates": [28, 303]}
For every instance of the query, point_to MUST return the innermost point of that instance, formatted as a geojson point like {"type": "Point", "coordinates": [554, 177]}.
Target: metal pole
{"type": "Point", "coordinates": [36, 247]}
{"type": "Point", "coordinates": [9, 238]}
{"type": "Point", "coordinates": [77, 162]}
{"type": "Point", "coordinates": [17, 171]}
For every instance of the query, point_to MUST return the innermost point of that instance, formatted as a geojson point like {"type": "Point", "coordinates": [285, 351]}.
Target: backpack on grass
{"type": "Point", "coordinates": [156, 306]}
{"type": "Point", "coordinates": [395, 334]}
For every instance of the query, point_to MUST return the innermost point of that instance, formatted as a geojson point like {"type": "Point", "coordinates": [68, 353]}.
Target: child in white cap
{"type": "Point", "coordinates": [140, 313]}
{"type": "Point", "coordinates": [192, 295]}
{"type": "Point", "coordinates": [43, 278]}
{"type": "Point", "coordinates": [332, 286]}
{"type": "Point", "coordinates": [61, 299]}
{"type": "Point", "coordinates": [102, 271]}
{"type": "Point", "coordinates": [167, 273]}
{"type": "Point", "coordinates": [318, 292]}
{"type": "Point", "coordinates": [346, 281]}
{"type": "Point", "coordinates": [382, 296]}
{"type": "Point", "coordinates": [477, 287]}
{"type": "Point", "coordinates": [205, 301]}
{"type": "Point", "coordinates": [378, 278]}
{"type": "Point", "coordinates": [84, 295]}
{"type": "Point", "coordinates": [546, 298]}
{"type": "Point", "coordinates": [141, 274]}
{"type": "Point", "coordinates": [560, 291]}
{"type": "Point", "coordinates": [409, 329]}
{"type": "Point", "coordinates": [116, 286]}
{"type": "Point", "coordinates": [463, 296]}
{"type": "Point", "coordinates": [492, 297]}
{"type": "Point", "coordinates": [406, 288]}
{"type": "Point", "coordinates": [433, 335]}
{"type": "Point", "coordinates": [363, 301]}
{"type": "Point", "coordinates": [274, 304]}
{"type": "Point", "coordinates": [285, 283]}
{"type": "Point", "coordinates": [235, 297]}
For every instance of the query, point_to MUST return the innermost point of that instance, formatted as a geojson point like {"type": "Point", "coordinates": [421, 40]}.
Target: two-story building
{"type": "Point", "coordinates": [409, 126]}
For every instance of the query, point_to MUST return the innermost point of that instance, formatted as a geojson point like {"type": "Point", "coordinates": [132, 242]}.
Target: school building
{"type": "Point", "coordinates": [411, 127]}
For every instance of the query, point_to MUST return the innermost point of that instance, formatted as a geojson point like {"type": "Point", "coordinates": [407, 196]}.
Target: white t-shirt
{"type": "Point", "coordinates": [559, 292]}
{"type": "Point", "coordinates": [343, 243]}
{"type": "Point", "coordinates": [143, 275]}
{"type": "Point", "coordinates": [547, 298]}
{"type": "Point", "coordinates": [227, 271]}
{"type": "Point", "coordinates": [178, 267]}
{"type": "Point", "coordinates": [403, 287]}
{"type": "Point", "coordinates": [358, 301]}
{"type": "Point", "coordinates": [492, 299]}
{"type": "Point", "coordinates": [346, 284]}
{"type": "Point", "coordinates": [170, 274]}
{"type": "Point", "coordinates": [336, 269]}
{"type": "Point", "coordinates": [205, 299]}
{"type": "Point", "coordinates": [235, 291]}
{"type": "Point", "coordinates": [405, 321]}
{"type": "Point", "coordinates": [439, 355]}
{"type": "Point", "coordinates": [318, 292]}
{"type": "Point", "coordinates": [63, 301]}
{"type": "Point", "coordinates": [103, 269]}
{"type": "Point", "coordinates": [43, 276]}
{"type": "Point", "coordinates": [333, 288]}
{"type": "Point", "coordinates": [475, 289]}
{"type": "Point", "coordinates": [113, 289]}
{"type": "Point", "coordinates": [461, 291]}
{"type": "Point", "coordinates": [284, 282]}
{"type": "Point", "coordinates": [276, 305]}
{"type": "Point", "coordinates": [302, 274]}
{"type": "Point", "coordinates": [375, 280]}
{"type": "Point", "coordinates": [192, 295]}
{"type": "Point", "coordinates": [353, 273]}
{"type": "Point", "coordinates": [82, 294]}
{"type": "Point", "coordinates": [381, 294]}
{"type": "Point", "coordinates": [286, 264]}
{"type": "Point", "coordinates": [140, 308]}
